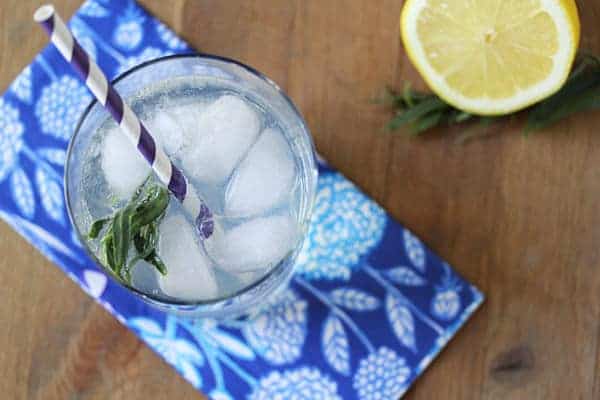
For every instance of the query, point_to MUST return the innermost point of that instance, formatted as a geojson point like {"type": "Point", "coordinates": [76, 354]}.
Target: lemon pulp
{"type": "Point", "coordinates": [491, 56]}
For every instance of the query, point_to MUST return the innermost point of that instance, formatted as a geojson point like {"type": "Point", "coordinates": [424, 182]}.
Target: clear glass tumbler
{"type": "Point", "coordinates": [229, 74]}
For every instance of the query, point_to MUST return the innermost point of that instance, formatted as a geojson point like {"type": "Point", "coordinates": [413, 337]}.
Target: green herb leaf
{"type": "Point", "coordinates": [421, 112]}
{"type": "Point", "coordinates": [146, 240]}
{"type": "Point", "coordinates": [108, 252]}
{"type": "Point", "coordinates": [121, 237]}
{"type": "Point", "coordinates": [96, 228]}
{"type": "Point", "coordinates": [151, 258]}
{"type": "Point", "coordinates": [139, 241]}
{"type": "Point", "coordinates": [152, 206]}
{"type": "Point", "coordinates": [460, 116]}
{"type": "Point", "coordinates": [418, 111]}
{"type": "Point", "coordinates": [157, 262]}
{"type": "Point", "coordinates": [428, 121]}
{"type": "Point", "coordinates": [581, 92]}
{"type": "Point", "coordinates": [134, 226]}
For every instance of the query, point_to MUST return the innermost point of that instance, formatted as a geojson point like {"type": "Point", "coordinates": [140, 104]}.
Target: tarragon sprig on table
{"type": "Point", "coordinates": [420, 112]}
{"type": "Point", "coordinates": [135, 226]}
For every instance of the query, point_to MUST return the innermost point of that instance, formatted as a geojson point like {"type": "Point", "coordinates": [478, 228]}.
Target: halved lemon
{"type": "Point", "coordinates": [491, 57]}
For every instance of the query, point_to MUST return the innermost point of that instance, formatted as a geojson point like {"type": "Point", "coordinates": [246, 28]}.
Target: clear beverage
{"type": "Point", "coordinates": [244, 149]}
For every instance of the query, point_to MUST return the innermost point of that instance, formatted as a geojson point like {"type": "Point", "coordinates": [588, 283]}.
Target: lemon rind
{"type": "Point", "coordinates": [568, 37]}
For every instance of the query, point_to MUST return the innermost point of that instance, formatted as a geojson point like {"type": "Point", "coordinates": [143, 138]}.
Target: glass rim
{"type": "Point", "coordinates": [147, 296]}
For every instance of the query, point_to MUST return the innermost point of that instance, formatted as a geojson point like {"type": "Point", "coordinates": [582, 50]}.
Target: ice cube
{"type": "Point", "coordinates": [248, 278]}
{"type": "Point", "coordinates": [264, 178]}
{"type": "Point", "coordinates": [190, 275]}
{"type": "Point", "coordinates": [233, 282]}
{"type": "Point", "coordinates": [257, 244]}
{"type": "Point", "coordinates": [225, 131]}
{"type": "Point", "coordinates": [187, 116]}
{"type": "Point", "coordinates": [144, 277]}
{"type": "Point", "coordinates": [123, 166]}
{"type": "Point", "coordinates": [167, 132]}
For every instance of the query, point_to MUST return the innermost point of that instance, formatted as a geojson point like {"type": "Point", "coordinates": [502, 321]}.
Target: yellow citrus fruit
{"type": "Point", "coordinates": [491, 57]}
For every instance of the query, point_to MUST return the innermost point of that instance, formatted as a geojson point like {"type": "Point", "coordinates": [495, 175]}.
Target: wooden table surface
{"type": "Point", "coordinates": [517, 216]}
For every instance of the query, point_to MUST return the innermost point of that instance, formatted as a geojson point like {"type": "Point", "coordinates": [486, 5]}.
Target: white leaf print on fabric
{"type": "Point", "coordinates": [401, 320]}
{"type": "Point", "coordinates": [354, 299]}
{"type": "Point", "coordinates": [53, 155]}
{"type": "Point", "coordinates": [22, 86]}
{"type": "Point", "coordinates": [231, 344]}
{"type": "Point", "coordinates": [182, 354]}
{"type": "Point", "coordinates": [219, 395]}
{"type": "Point", "coordinates": [405, 276]}
{"type": "Point", "coordinates": [88, 45]}
{"type": "Point", "coordinates": [51, 195]}
{"type": "Point", "coordinates": [414, 250]}
{"type": "Point", "coordinates": [169, 37]}
{"type": "Point", "coordinates": [11, 138]}
{"type": "Point", "coordinates": [334, 343]}
{"type": "Point", "coordinates": [41, 238]}
{"type": "Point", "coordinates": [22, 192]}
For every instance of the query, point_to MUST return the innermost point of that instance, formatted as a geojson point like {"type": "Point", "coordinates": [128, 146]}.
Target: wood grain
{"type": "Point", "coordinates": [515, 215]}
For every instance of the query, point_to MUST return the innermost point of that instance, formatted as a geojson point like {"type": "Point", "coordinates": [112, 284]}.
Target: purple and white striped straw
{"type": "Point", "coordinates": [129, 123]}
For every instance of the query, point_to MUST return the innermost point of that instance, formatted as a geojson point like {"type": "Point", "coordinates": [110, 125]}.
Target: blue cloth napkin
{"type": "Point", "coordinates": [367, 311]}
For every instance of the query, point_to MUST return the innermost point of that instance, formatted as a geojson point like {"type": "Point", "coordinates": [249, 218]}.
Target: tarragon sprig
{"type": "Point", "coordinates": [135, 226]}
{"type": "Point", "coordinates": [420, 112]}
{"type": "Point", "coordinates": [581, 92]}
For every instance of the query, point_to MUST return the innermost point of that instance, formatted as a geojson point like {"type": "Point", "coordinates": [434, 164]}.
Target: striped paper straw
{"type": "Point", "coordinates": [129, 123]}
